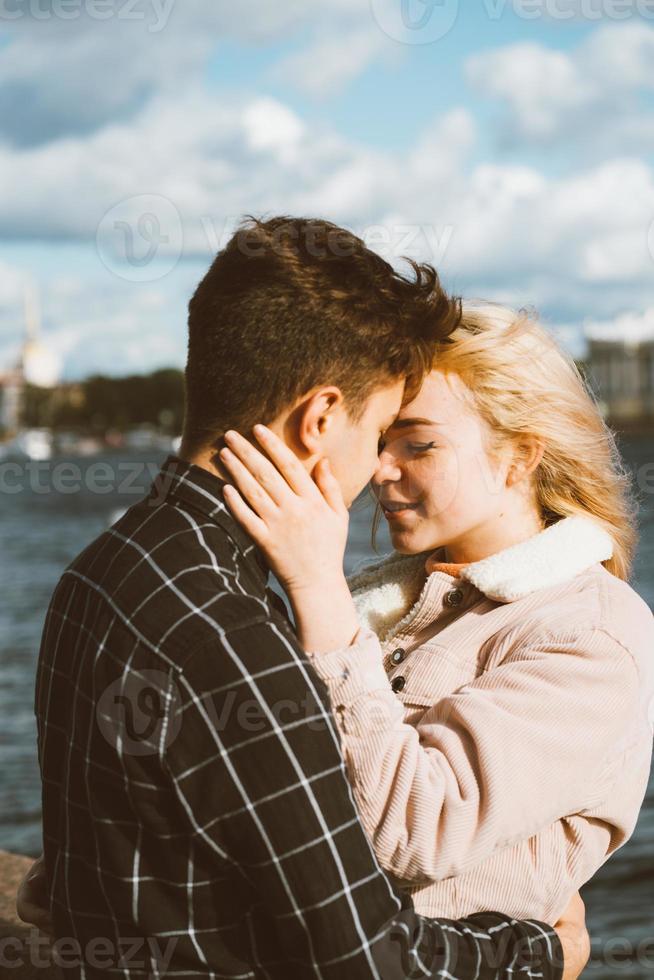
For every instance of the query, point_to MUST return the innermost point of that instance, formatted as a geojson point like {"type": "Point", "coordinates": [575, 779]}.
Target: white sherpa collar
{"type": "Point", "coordinates": [551, 557]}
{"type": "Point", "coordinates": [385, 592]}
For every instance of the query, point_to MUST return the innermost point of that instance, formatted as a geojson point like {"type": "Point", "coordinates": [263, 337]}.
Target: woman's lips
{"type": "Point", "coordinates": [393, 511]}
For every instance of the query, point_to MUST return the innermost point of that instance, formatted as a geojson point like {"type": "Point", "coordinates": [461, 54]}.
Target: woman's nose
{"type": "Point", "coordinates": [387, 470]}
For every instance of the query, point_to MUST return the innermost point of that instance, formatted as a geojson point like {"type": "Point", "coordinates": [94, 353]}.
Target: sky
{"type": "Point", "coordinates": [508, 142]}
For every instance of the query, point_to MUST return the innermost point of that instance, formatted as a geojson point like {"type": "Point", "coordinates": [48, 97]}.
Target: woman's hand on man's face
{"type": "Point", "coordinates": [300, 522]}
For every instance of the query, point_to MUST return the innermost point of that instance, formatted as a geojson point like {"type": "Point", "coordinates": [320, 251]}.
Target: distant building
{"type": "Point", "coordinates": [621, 369]}
{"type": "Point", "coordinates": [36, 365]}
{"type": "Point", "coordinates": [11, 398]}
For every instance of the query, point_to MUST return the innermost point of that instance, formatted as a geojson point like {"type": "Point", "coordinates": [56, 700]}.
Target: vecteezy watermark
{"type": "Point", "coordinates": [44, 477]}
{"type": "Point", "coordinates": [390, 240]}
{"type": "Point", "coordinates": [617, 953]}
{"type": "Point", "coordinates": [138, 713]}
{"type": "Point", "coordinates": [644, 477]}
{"type": "Point", "coordinates": [154, 13]}
{"type": "Point", "coordinates": [395, 240]}
{"type": "Point", "coordinates": [650, 240]}
{"type": "Point", "coordinates": [622, 954]}
{"type": "Point", "coordinates": [415, 21]}
{"type": "Point", "coordinates": [141, 238]}
{"type": "Point", "coordinates": [589, 10]}
{"type": "Point", "coordinates": [100, 953]}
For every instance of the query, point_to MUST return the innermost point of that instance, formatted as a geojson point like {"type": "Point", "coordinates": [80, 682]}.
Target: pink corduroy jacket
{"type": "Point", "coordinates": [497, 722]}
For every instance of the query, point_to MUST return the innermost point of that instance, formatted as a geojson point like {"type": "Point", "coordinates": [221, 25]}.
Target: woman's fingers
{"type": "Point", "coordinates": [256, 495]}
{"type": "Point", "coordinates": [302, 523]}
{"type": "Point", "coordinates": [280, 473]}
{"type": "Point", "coordinates": [263, 471]}
{"type": "Point", "coordinates": [285, 460]}
{"type": "Point", "coordinates": [252, 524]}
{"type": "Point", "coordinates": [329, 486]}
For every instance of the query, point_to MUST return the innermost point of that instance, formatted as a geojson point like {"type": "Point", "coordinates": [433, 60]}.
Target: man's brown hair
{"type": "Point", "coordinates": [293, 303]}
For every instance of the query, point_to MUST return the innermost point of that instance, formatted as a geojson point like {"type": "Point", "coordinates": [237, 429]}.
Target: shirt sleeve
{"type": "Point", "coordinates": [508, 754]}
{"type": "Point", "coordinates": [257, 767]}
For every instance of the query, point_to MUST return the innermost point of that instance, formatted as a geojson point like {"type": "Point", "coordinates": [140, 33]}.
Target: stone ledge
{"type": "Point", "coordinates": [17, 938]}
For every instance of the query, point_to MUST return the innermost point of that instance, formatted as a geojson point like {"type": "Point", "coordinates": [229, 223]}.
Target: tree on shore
{"type": "Point", "coordinates": [101, 404]}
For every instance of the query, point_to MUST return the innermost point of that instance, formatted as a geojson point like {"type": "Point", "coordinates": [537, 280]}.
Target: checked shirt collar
{"type": "Point", "coordinates": [182, 482]}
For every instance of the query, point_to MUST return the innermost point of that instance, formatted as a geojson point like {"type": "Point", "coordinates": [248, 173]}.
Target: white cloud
{"type": "Point", "coordinates": [590, 98]}
{"type": "Point", "coordinates": [330, 63]}
{"type": "Point", "coordinates": [12, 285]}
{"type": "Point", "coordinates": [538, 85]}
{"type": "Point", "coordinates": [96, 322]}
{"type": "Point", "coordinates": [632, 328]}
{"type": "Point", "coordinates": [272, 127]}
{"type": "Point", "coordinates": [572, 242]}
{"type": "Point", "coordinates": [74, 76]}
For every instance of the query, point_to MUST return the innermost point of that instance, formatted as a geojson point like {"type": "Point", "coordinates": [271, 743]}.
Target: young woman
{"type": "Point", "coordinates": [494, 677]}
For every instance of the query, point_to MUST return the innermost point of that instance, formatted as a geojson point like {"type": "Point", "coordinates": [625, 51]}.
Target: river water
{"type": "Point", "coordinates": [50, 511]}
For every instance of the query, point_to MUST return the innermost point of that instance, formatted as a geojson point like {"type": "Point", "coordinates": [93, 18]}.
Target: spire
{"type": "Point", "coordinates": [32, 307]}
{"type": "Point", "coordinates": [39, 365]}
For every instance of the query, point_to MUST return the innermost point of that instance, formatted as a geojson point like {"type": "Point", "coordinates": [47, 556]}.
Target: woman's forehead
{"type": "Point", "coordinates": [440, 399]}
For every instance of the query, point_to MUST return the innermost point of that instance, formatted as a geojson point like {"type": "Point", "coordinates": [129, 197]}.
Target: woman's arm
{"type": "Point", "coordinates": [502, 758]}
{"type": "Point", "coordinates": [494, 763]}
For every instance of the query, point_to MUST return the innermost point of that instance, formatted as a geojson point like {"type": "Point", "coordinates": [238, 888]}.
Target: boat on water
{"type": "Point", "coordinates": [34, 444]}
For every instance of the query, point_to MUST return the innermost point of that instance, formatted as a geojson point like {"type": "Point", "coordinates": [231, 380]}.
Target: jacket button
{"type": "Point", "coordinates": [454, 598]}
{"type": "Point", "coordinates": [397, 656]}
{"type": "Point", "coordinates": [398, 683]}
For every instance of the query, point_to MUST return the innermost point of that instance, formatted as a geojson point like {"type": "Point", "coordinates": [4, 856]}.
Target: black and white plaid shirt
{"type": "Point", "coordinates": [197, 817]}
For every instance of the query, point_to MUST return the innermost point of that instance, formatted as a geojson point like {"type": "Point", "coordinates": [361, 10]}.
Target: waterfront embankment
{"type": "Point", "coordinates": [25, 953]}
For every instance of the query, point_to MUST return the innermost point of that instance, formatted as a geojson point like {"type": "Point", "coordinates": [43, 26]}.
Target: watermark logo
{"type": "Point", "coordinates": [34, 951]}
{"type": "Point", "coordinates": [138, 713]}
{"type": "Point", "coordinates": [67, 478]}
{"type": "Point", "coordinates": [415, 21]}
{"type": "Point", "coordinates": [650, 240]}
{"type": "Point", "coordinates": [141, 238]}
{"type": "Point", "coordinates": [565, 10]}
{"type": "Point", "coordinates": [393, 240]}
{"type": "Point", "coordinates": [154, 13]}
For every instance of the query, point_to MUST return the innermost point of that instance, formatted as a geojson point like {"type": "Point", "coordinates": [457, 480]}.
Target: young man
{"type": "Point", "coordinates": [195, 799]}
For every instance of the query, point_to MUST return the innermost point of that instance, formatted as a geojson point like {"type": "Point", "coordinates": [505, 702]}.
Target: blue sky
{"type": "Point", "coordinates": [387, 104]}
{"type": "Point", "coordinates": [510, 142]}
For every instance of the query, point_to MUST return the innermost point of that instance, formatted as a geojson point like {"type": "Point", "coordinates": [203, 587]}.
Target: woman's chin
{"type": "Point", "coordinates": [405, 542]}
{"type": "Point", "coordinates": [412, 540]}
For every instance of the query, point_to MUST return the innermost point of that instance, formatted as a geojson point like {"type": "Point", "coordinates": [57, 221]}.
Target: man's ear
{"type": "Point", "coordinates": [314, 419]}
{"type": "Point", "coordinates": [528, 456]}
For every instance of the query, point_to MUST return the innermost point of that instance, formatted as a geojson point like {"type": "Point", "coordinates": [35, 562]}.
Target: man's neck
{"type": "Point", "coordinates": [208, 460]}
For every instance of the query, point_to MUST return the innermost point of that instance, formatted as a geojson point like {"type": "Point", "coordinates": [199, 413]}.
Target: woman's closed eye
{"type": "Point", "coordinates": [420, 447]}
{"type": "Point", "coordinates": [411, 448]}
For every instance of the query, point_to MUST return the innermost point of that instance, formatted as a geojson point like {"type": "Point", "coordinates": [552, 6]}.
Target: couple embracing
{"type": "Point", "coordinates": [414, 776]}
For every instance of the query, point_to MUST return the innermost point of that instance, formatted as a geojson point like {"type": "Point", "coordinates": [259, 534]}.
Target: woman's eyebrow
{"type": "Point", "coordinates": [405, 423]}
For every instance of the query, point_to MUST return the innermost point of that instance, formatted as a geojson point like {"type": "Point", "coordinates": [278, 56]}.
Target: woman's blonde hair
{"type": "Point", "coordinates": [523, 384]}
